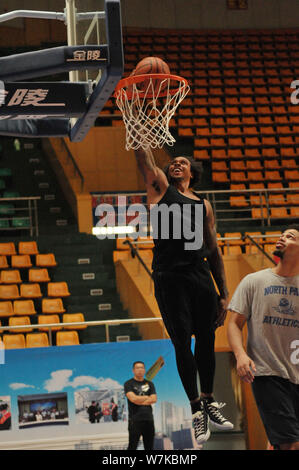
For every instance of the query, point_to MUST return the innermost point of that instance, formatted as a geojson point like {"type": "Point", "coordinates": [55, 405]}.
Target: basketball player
{"type": "Point", "coordinates": [269, 301]}
{"type": "Point", "coordinates": [184, 288]}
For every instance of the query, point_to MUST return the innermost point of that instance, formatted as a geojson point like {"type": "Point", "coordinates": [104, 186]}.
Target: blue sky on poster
{"type": "Point", "coordinates": [90, 367]}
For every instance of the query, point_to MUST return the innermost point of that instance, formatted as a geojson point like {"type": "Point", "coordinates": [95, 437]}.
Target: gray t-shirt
{"type": "Point", "coordinates": [271, 306]}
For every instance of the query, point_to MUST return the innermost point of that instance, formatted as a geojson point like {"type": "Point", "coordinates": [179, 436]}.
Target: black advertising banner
{"type": "Point", "coordinates": [25, 100]}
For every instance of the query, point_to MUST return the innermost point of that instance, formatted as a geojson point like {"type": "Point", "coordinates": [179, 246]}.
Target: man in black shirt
{"type": "Point", "coordinates": [184, 288]}
{"type": "Point", "coordinates": [141, 394]}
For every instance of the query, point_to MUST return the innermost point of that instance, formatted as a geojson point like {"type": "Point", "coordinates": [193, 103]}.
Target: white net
{"type": "Point", "coordinates": [147, 115]}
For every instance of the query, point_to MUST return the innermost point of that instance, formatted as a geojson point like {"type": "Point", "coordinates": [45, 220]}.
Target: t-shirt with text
{"type": "Point", "coordinates": [270, 304]}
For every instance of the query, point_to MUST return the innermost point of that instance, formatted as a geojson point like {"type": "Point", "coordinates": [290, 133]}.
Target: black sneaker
{"type": "Point", "coordinates": [215, 416]}
{"type": "Point", "coordinates": [200, 423]}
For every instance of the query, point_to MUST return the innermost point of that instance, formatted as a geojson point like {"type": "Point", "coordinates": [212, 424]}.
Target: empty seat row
{"type": "Point", "coordinates": [25, 261]}
{"type": "Point", "coordinates": [23, 321]}
{"type": "Point", "coordinates": [38, 340]}
{"type": "Point", "coordinates": [24, 248]}
{"type": "Point", "coordinates": [32, 290]}
{"type": "Point", "coordinates": [13, 276]}
{"type": "Point", "coordinates": [9, 308]}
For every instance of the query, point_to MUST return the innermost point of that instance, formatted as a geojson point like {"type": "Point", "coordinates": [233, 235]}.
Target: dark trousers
{"type": "Point", "coordinates": [137, 429]}
{"type": "Point", "coordinates": [188, 304]}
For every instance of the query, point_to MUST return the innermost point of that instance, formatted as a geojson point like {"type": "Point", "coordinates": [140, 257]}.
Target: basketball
{"type": "Point", "coordinates": [151, 65]}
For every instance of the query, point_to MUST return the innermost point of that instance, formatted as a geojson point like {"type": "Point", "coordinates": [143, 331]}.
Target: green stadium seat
{"type": "Point", "coordinates": [7, 209]}
{"type": "Point", "coordinates": [11, 194]}
{"type": "Point", "coordinates": [4, 223]}
{"type": "Point", "coordinates": [5, 172]}
{"type": "Point", "coordinates": [20, 222]}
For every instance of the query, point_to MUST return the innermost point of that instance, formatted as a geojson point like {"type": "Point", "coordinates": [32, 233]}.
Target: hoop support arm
{"type": "Point", "coordinates": [51, 61]}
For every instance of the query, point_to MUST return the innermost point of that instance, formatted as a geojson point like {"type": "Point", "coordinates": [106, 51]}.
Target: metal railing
{"type": "Point", "coordinates": [29, 212]}
{"type": "Point", "coordinates": [232, 213]}
{"type": "Point", "coordinates": [135, 252]}
{"type": "Point", "coordinates": [225, 210]}
{"type": "Point", "coordinates": [261, 249]}
{"type": "Point", "coordinates": [62, 325]}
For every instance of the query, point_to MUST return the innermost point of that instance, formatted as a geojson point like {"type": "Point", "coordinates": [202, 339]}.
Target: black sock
{"type": "Point", "coordinates": [208, 399]}
{"type": "Point", "coordinates": [196, 406]}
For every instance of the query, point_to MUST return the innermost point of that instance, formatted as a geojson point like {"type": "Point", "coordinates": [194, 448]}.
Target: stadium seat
{"type": "Point", "coordinates": [74, 317]}
{"type": "Point", "coordinates": [270, 238]}
{"type": "Point", "coordinates": [258, 214]}
{"type": "Point", "coordinates": [7, 209]}
{"type": "Point", "coordinates": [232, 250]}
{"type": "Point", "coordinates": [9, 291]}
{"type": "Point", "coordinates": [234, 235]}
{"type": "Point", "coordinates": [12, 341]}
{"type": "Point", "coordinates": [145, 243]}
{"type": "Point", "coordinates": [238, 201]}
{"type": "Point", "coordinates": [21, 261]}
{"type": "Point", "coordinates": [52, 306]}
{"type": "Point", "coordinates": [293, 199]}
{"type": "Point", "coordinates": [279, 212]}
{"type": "Point", "coordinates": [67, 338]}
{"type": "Point", "coordinates": [58, 289]}
{"type": "Point", "coordinates": [28, 248]}
{"type": "Point", "coordinates": [291, 175]}
{"type": "Point", "coordinates": [38, 275]}
{"type": "Point", "coordinates": [30, 291]}
{"type": "Point", "coordinates": [4, 223]}
{"type": "Point", "coordinates": [250, 247]}
{"type": "Point", "coordinates": [37, 340]}
{"type": "Point", "coordinates": [7, 249]}
{"type": "Point", "coordinates": [11, 276]}
{"type": "Point", "coordinates": [121, 245]}
{"type": "Point", "coordinates": [6, 309]}
{"type": "Point", "coordinates": [3, 262]}
{"type": "Point", "coordinates": [276, 199]}
{"type": "Point", "coordinates": [24, 307]}
{"type": "Point", "coordinates": [46, 260]}
{"type": "Point", "coordinates": [47, 319]}
{"type": "Point", "coordinates": [15, 321]}
{"type": "Point", "coordinates": [20, 222]}
{"type": "Point", "coordinates": [294, 212]}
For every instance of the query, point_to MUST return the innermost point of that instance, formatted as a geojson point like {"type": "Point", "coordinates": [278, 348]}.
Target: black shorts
{"type": "Point", "coordinates": [277, 400]}
{"type": "Point", "coordinates": [187, 300]}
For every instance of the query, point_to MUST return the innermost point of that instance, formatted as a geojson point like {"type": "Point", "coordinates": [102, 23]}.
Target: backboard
{"type": "Point", "coordinates": [93, 57]}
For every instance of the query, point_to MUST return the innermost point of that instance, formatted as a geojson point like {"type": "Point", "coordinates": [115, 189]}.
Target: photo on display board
{"type": "Point", "coordinates": [42, 410]}
{"type": "Point", "coordinates": [5, 413]}
{"type": "Point", "coordinates": [100, 406]}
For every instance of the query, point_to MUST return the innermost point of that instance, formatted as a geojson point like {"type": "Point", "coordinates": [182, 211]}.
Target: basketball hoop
{"type": "Point", "coordinates": [147, 103]}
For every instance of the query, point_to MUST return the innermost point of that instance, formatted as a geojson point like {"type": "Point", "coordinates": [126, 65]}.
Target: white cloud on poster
{"type": "Point", "coordinates": [58, 381]}
{"type": "Point", "coordinates": [61, 379]}
{"type": "Point", "coordinates": [18, 386]}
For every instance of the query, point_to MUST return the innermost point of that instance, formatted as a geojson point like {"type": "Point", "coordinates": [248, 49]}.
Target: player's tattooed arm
{"type": "Point", "coordinates": [153, 176]}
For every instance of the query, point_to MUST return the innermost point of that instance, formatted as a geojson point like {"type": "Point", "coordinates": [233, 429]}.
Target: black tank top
{"type": "Point", "coordinates": [170, 252]}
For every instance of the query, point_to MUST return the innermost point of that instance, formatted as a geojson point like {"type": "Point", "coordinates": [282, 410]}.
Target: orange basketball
{"type": "Point", "coordinates": [151, 65]}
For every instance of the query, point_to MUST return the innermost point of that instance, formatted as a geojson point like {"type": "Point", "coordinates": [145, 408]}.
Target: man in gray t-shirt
{"type": "Point", "coordinates": [268, 301]}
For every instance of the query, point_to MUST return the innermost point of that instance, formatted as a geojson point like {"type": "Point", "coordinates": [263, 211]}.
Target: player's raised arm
{"type": "Point", "coordinates": [155, 178]}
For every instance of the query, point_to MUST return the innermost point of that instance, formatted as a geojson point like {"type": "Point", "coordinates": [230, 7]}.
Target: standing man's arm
{"type": "Point", "coordinates": [245, 365]}
{"type": "Point", "coordinates": [215, 261]}
{"type": "Point", "coordinates": [141, 399]}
